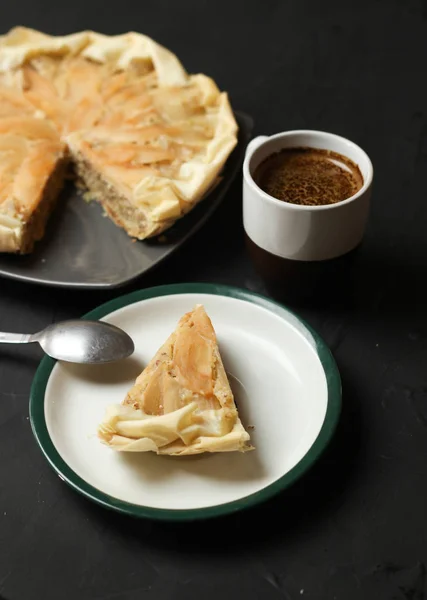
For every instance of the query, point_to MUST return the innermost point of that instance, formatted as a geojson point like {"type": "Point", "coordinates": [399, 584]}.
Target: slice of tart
{"type": "Point", "coordinates": [181, 403]}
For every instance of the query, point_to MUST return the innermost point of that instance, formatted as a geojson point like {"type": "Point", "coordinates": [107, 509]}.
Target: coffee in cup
{"type": "Point", "coordinates": [308, 176]}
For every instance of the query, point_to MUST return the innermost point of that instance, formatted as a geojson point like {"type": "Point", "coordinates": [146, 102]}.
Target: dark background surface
{"type": "Point", "coordinates": [355, 526]}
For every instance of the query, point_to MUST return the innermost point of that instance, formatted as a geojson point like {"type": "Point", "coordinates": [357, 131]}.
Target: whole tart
{"type": "Point", "coordinates": [146, 140]}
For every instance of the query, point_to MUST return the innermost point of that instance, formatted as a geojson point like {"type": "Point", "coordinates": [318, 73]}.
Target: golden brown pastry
{"type": "Point", "coordinates": [146, 139]}
{"type": "Point", "coordinates": [182, 402]}
{"type": "Point", "coordinates": [32, 169]}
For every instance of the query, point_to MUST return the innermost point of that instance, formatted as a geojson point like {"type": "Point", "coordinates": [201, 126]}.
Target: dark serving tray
{"type": "Point", "coordinates": [81, 249]}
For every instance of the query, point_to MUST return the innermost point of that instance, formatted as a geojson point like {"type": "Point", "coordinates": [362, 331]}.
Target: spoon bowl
{"type": "Point", "coordinates": [79, 341]}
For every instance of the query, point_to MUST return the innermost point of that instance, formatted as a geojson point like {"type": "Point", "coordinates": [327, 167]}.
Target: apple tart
{"type": "Point", "coordinates": [182, 402]}
{"type": "Point", "coordinates": [146, 140]}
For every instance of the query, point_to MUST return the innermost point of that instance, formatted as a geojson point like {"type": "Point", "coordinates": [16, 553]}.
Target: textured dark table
{"type": "Point", "coordinates": [355, 526]}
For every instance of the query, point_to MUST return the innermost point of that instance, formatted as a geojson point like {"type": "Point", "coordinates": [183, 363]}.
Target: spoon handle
{"type": "Point", "coordinates": [15, 338]}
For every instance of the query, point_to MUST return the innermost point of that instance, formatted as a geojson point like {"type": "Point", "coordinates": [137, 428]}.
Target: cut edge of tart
{"type": "Point", "coordinates": [33, 166]}
{"type": "Point", "coordinates": [181, 403]}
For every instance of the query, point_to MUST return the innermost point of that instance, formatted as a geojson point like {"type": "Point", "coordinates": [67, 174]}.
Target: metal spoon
{"type": "Point", "coordinates": [78, 341]}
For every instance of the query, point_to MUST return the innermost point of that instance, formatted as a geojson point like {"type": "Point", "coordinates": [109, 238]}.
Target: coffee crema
{"type": "Point", "coordinates": [308, 176]}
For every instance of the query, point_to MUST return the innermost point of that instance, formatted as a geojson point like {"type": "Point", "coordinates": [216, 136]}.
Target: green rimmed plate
{"type": "Point", "coordinates": [284, 378]}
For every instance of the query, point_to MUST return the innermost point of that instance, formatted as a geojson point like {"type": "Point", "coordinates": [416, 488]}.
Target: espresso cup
{"type": "Point", "coordinates": [296, 232]}
{"type": "Point", "coordinates": [286, 238]}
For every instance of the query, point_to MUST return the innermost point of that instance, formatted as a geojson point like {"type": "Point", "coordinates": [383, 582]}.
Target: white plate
{"type": "Point", "coordinates": [284, 379]}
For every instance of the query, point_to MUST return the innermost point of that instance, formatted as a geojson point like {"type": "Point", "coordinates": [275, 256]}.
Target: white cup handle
{"type": "Point", "coordinates": [253, 144]}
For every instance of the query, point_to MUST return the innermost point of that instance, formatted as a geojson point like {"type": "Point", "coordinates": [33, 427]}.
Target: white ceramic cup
{"type": "Point", "coordinates": [305, 233]}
